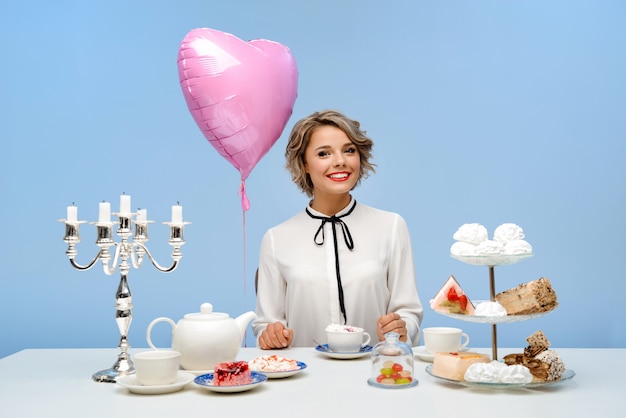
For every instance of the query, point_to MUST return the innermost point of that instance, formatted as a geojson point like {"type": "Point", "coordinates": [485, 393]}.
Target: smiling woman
{"type": "Point", "coordinates": [363, 277]}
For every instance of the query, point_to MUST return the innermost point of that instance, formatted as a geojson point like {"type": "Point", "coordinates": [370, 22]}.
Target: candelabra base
{"type": "Point", "coordinates": [122, 367]}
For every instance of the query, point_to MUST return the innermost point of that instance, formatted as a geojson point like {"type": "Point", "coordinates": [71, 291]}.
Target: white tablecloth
{"type": "Point", "coordinates": [57, 383]}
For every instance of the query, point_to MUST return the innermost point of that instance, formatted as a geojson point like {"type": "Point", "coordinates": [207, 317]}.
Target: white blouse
{"type": "Point", "coordinates": [297, 280]}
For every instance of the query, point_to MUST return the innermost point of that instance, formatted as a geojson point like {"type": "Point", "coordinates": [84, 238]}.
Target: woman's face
{"type": "Point", "coordinates": [332, 161]}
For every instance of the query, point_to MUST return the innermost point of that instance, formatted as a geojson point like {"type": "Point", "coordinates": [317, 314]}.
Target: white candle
{"type": "Point", "coordinates": [142, 215]}
{"type": "Point", "coordinates": [177, 214]}
{"type": "Point", "coordinates": [72, 213]}
{"type": "Point", "coordinates": [104, 215]}
{"type": "Point", "coordinates": [125, 204]}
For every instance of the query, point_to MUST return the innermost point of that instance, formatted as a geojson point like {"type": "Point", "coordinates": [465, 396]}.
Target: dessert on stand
{"type": "Point", "coordinates": [524, 302]}
{"type": "Point", "coordinates": [535, 366]}
{"type": "Point", "coordinates": [508, 246]}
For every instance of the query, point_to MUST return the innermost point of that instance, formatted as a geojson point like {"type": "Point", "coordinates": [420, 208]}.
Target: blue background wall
{"type": "Point", "coordinates": [482, 111]}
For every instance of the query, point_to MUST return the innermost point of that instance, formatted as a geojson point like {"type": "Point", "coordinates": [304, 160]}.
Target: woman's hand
{"type": "Point", "coordinates": [391, 322]}
{"type": "Point", "coordinates": [276, 336]}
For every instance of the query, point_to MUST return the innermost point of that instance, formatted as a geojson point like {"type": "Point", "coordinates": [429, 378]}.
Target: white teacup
{"type": "Point", "coordinates": [345, 338]}
{"type": "Point", "coordinates": [156, 367]}
{"type": "Point", "coordinates": [444, 339]}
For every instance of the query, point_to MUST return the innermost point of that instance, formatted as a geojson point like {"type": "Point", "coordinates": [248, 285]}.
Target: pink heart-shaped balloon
{"type": "Point", "coordinates": [241, 94]}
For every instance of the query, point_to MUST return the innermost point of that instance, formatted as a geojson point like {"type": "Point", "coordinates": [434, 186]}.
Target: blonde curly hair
{"type": "Point", "coordinates": [300, 137]}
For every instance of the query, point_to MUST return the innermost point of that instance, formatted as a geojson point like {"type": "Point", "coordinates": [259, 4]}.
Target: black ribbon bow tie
{"type": "Point", "coordinates": [319, 237]}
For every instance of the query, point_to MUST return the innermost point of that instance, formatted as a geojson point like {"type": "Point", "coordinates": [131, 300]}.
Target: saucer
{"type": "Point", "coordinates": [206, 381]}
{"type": "Point", "coordinates": [196, 372]}
{"type": "Point", "coordinates": [283, 373]}
{"type": "Point", "coordinates": [424, 355]}
{"type": "Point", "coordinates": [365, 350]}
{"type": "Point", "coordinates": [130, 382]}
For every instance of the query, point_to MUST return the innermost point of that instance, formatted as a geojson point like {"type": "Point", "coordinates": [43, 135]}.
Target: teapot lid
{"type": "Point", "coordinates": [206, 314]}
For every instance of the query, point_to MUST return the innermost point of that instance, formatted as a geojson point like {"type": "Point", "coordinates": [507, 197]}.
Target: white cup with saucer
{"type": "Point", "coordinates": [444, 339]}
{"type": "Point", "coordinates": [156, 367]}
{"type": "Point", "coordinates": [441, 339]}
{"type": "Point", "coordinates": [346, 338]}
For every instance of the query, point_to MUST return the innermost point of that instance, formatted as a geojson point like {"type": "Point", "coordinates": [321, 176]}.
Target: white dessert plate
{"type": "Point", "coordinates": [343, 355]}
{"type": "Point", "coordinates": [424, 355]}
{"type": "Point", "coordinates": [494, 319]}
{"type": "Point", "coordinates": [283, 373]}
{"type": "Point", "coordinates": [206, 381]}
{"type": "Point", "coordinates": [492, 260]}
{"type": "Point", "coordinates": [130, 382]}
{"type": "Point", "coordinates": [567, 375]}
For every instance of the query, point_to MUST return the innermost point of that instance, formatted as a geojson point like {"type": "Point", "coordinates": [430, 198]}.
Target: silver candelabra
{"type": "Point", "coordinates": [130, 250]}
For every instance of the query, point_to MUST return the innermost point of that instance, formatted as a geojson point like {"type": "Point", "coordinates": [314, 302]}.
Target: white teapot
{"type": "Point", "coordinates": [205, 338]}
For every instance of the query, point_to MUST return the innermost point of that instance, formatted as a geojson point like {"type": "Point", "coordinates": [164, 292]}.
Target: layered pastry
{"type": "Point", "coordinates": [454, 365]}
{"type": "Point", "coordinates": [529, 298]}
{"type": "Point", "coordinates": [232, 373]}
{"type": "Point", "coordinates": [537, 343]}
{"type": "Point", "coordinates": [544, 364]}
{"type": "Point", "coordinates": [452, 299]}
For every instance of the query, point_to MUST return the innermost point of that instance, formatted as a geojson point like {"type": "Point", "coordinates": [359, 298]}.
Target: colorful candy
{"type": "Point", "coordinates": [394, 374]}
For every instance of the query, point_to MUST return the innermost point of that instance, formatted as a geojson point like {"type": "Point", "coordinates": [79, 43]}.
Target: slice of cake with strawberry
{"type": "Point", "coordinates": [452, 299]}
{"type": "Point", "coordinates": [232, 373]}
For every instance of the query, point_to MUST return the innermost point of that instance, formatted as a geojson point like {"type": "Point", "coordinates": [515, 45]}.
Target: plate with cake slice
{"type": "Point", "coordinates": [207, 381]}
{"type": "Point", "coordinates": [495, 319]}
{"type": "Point", "coordinates": [536, 366]}
{"type": "Point", "coordinates": [284, 373]}
{"type": "Point", "coordinates": [521, 303]}
{"type": "Point", "coordinates": [567, 375]}
{"type": "Point", "coordinates": [275, 366]}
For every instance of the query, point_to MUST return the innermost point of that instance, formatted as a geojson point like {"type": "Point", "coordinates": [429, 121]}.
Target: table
{"type": "Point", "coordinates": [57, 382]}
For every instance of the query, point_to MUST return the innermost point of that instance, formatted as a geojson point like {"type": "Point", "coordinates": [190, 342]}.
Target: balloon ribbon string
{"type": "Point", "coordinates": [245, 205]}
